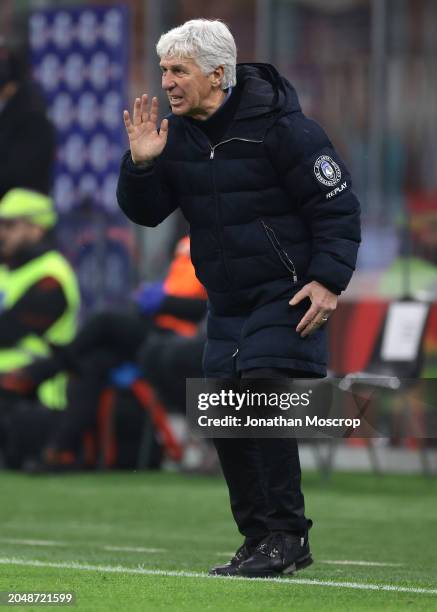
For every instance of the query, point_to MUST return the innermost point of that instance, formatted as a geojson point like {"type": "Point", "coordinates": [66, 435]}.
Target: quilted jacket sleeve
{"type": "Point", "coordinates": [142, 193]}
{"type": "Point", "coordinates": [319, 188]}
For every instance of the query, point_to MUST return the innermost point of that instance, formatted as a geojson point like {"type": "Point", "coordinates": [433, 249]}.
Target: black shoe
{"type": "Point", "coordinates": [279, 553]}
{"type": "Point", "coordinates": [231, 567]}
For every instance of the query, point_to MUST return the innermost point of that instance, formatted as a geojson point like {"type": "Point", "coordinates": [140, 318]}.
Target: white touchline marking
{"type": "Point", "coordinates": [366, 563]}
{"type": "Point", "coordinates": [33, 542]}
{"type": "Point", "coordinates": [138, 549]}
{"type": "Point", "coordinates": [118, 569]}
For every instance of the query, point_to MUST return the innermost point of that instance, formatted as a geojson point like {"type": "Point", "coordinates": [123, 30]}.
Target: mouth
{"type": "Point", "coordinates": [175, 100]}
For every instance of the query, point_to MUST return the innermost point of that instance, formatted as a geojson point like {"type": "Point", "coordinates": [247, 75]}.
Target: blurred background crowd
{"type": "Point", "coordinates": [100, 321]}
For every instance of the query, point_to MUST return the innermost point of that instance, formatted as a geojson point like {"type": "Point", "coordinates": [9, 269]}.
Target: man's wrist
{"type": "Point", "coordinates": [142, 164]}
{"type": "Point", "coordinates": [139, 167]}
{"type": "Point", "coordinates": [327, 285]}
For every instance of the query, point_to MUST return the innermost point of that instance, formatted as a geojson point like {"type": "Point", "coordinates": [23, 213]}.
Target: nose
{"type": "Point", "coordinates": [167, 81]}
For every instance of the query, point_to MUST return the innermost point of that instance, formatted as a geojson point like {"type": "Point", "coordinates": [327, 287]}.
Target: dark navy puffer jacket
{"type": "Point", "coordinates": [270, 208]}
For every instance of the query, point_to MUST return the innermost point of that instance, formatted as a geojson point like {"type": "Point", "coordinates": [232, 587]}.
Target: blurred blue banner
{"type": "Point", "coordinates": [80, 58]}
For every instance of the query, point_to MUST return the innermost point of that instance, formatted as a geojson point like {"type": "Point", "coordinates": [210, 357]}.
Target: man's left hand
{"type": "Point", "coordinates": [323, 303]}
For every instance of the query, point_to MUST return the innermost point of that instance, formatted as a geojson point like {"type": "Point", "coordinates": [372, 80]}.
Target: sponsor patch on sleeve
{"type": "Point", "coordinates": [336, 191]}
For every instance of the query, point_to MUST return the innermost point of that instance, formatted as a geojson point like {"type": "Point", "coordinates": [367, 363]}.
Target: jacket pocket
{"type": "Point", "coordinates": [286, 261]}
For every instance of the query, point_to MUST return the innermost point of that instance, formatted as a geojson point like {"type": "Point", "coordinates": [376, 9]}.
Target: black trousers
{"type": "Point", "coordinates": [264, 477]}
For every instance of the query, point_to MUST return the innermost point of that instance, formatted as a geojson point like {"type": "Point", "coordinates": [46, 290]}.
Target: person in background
{"type": "Point", "coordinates": [27, 137]}
{"type": "Point", "coordinates": [178, 302]}
{"type": "Point", "coordinates": [110, 348]}
{"type": "Point", "coordinates": [39, 303]}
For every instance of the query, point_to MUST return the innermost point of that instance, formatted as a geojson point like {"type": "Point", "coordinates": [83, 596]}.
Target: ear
{"type": "Point", "coordinates": [217, 76]}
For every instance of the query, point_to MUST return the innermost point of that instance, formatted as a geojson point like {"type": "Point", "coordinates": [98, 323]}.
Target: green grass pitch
{"type": "Point", "coordinates": [102, 535]}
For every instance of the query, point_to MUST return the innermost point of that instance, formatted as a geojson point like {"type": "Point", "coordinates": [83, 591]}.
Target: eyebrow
{"type": "Point", "coordinates": [175, 67]}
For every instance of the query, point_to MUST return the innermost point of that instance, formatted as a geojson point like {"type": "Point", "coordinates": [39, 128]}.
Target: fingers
{"type": "Point", "coordinates": [154, 110]}
{"type": "Point", "coordinates": [323, 303]}
{"type": "Point", "coordinates": [143, 108]}
{"type": "Point", "coordinates": [298, 297]}
{"type": "Point", "coordinates": [319, 320]}
{"type": "Point", "coordinates": [127, 122]}
{"type": "Point", "coordinates": [141, 112]}
{"type": "Point", "coordinates": [307, 319]}
{"type": "Point", "coordinates": [163, 130]}
{"type": "Point", "coordinates": [136, 113]}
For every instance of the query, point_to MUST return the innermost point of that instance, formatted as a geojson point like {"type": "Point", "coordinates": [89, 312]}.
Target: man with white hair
{"type": "Point", "coordinates": [274, 236]}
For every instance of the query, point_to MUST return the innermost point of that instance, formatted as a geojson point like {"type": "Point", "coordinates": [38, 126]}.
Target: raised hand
{"type": "Point", "coordinates": [146, 143]}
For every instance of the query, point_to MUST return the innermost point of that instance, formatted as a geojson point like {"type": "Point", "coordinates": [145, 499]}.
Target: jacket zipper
{"type": "Point", "coordinates": [216, 199]}
{"type": "Point", "coordinates": [213, 148]}
{"type": "Point", "coordinates": [279, 249]}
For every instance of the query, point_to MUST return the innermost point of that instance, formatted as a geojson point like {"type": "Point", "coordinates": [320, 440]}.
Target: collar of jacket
{"type": "Point", "coordinates": [265, 96]}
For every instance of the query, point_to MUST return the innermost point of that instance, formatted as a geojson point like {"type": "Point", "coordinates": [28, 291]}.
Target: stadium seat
{"type": "Point", "coordinates": [395, 364]}
{"type": "Point", "coordinates": [128, 376]}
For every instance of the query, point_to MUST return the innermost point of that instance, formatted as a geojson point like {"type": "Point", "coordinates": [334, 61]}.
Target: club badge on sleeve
{"type": "Point", "coordinates": [327, 171]}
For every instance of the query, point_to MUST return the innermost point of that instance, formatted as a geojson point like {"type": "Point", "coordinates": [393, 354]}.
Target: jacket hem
{"type": "Point", "coordinates": [283, 363]}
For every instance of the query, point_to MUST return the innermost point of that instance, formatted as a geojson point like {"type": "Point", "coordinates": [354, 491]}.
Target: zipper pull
{"type": "Point", "coordinates": [294, 277]}
{"type": "Point", "coordinates": [211, 156]}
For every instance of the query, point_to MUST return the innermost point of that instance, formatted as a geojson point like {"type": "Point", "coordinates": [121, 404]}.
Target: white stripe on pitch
{"type": "Point", "coordinates": [137, 549]}
{"type": "Point", "coordinates": [363, 586]}
{"type": "Point", "coordinates": [23, 542]}
{"type": "Point", "coordinates": [357, 562]}
{"type": "Point", "coordinates": [140, 549]}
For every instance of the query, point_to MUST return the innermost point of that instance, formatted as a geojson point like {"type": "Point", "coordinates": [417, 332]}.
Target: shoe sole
{"type": "Point", "coordinates": [226, 573]}
{"type": "Point", "coordinates": [299, 564]}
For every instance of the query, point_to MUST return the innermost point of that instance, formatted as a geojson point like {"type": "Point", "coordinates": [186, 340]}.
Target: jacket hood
{"type": "Point", "coordinates": [264, 91]}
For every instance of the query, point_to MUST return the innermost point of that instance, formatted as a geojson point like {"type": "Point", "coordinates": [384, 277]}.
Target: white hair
{"type": "Point", "coordinates": [208, 42]}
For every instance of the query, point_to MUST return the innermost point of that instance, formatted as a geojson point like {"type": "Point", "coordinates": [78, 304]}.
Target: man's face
{"type": "Point", "coordinates": [16, 234]}
{"type": "Point", "coordinates": [190, 92]}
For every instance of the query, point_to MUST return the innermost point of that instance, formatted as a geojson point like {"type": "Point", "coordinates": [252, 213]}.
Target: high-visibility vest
{"type": "Point", "coordinates": [13, 286]}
